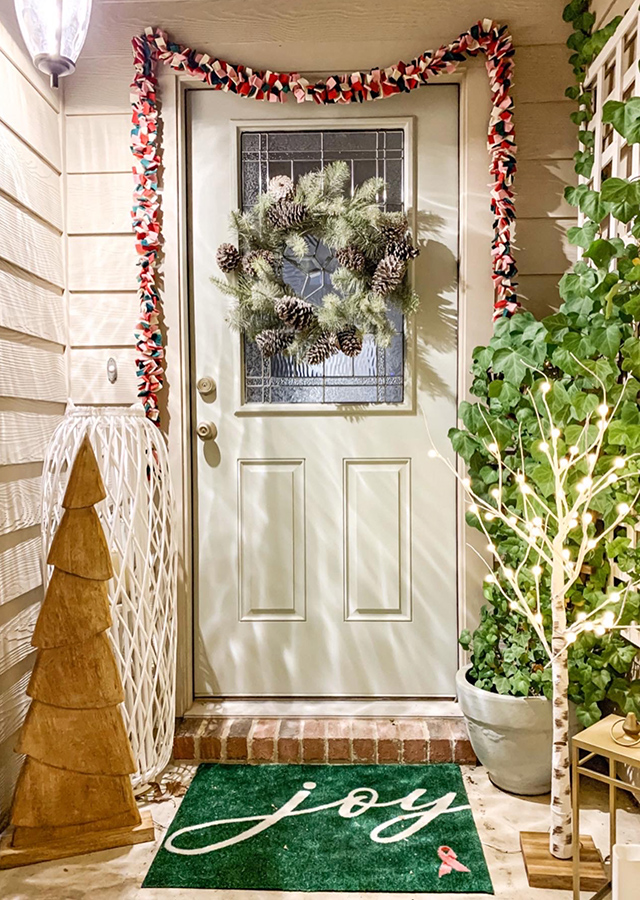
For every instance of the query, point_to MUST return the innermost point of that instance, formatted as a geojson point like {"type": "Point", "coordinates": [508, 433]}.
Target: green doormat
{"type": "Point", "coordinates": [324, 828]}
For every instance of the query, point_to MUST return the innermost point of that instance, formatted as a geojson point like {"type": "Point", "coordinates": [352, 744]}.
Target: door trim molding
{"type": "Point", "coordinates": [475, 298]}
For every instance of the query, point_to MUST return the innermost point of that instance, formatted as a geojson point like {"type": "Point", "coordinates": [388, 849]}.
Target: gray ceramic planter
{"type": "Point", "coordinates": [511, 736]}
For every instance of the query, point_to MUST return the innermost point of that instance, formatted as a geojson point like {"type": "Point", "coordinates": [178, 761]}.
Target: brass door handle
{"type": "Point", "coordinates": [206, 431]}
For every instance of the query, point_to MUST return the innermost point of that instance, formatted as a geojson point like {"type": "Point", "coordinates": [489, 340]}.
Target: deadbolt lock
{"type": "Point", "coordinates": [206, 431]}
{"type": "Point", "coordinates": [206, 385]}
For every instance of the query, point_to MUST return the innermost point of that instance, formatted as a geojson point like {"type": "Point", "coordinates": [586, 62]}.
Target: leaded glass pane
{"type": "Point", "coordinates": [376, 375]}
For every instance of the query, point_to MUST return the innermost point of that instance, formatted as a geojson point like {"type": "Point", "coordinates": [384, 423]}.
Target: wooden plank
{"type": "Point", "coordinates": [542, 246]}
{"type": "Point", "coordinates": [541, 71]}
{"type": "Point", "coordinates": [545, 871]}
{"type": "Point", "coordinates": [15, 637]}
{"type": "Point", "coordinates": [99, 320]}
{"type": "Point", "coordinates": [99, 144]}
{"type": "Point", "coordinates": [544, 131]}
{"type": "Point", "coordinates": [31, 307]}
{"type": "Point", "coordinates": [28, 179]}
{"type": "Point", "coordinates": [540, 188]}
{"type": "Point", "coordinates": [12, 44]}
{"type": "Point", "coordinates": [31, 372]}
{"type": "Point", "coordinates": [20, 566]}
{"type": "Point", "coordinates": [28, 243]}
{"type": "Point", "coordinates": [14, 701]}
{"type": "Point", "coordinates": [24, 435]}
{"type": "Point", "coordinates": [91, 842]}
{"type": "Point", "coordinates": [114, 77]}
{"type": "Point", "coordinates": [20, 504]}
{"type": "Point", "coordinates": [539, 294]}
{"type": "Point", "coordinates": [27, 113]}
{"type": "Point", "coordinates": [89, 382]}
{"type": "Point", "coordinates": [205, 24]}
{"type": "Point", "coordinates": [104, 263]}
{"type": "Point", "coordinates": [605, 10]}
{"type": "Point", "coordinates": [542, 74]}
{"type": "Point", "coordinates": [10, 764]}
{"type": "Point", "coordinates": [99, 204]}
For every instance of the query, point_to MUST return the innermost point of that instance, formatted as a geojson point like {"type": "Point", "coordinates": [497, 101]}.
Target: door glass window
{"type": "Point", "coordinates": [375, 375]}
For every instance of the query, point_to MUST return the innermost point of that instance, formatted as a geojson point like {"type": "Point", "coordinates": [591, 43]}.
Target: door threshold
{"type": "Point", "coordinates": [315, 708]}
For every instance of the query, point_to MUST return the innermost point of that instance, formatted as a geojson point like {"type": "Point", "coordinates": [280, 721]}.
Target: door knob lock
{"type": "Point", "coordinates": [206, 385]}
{"type": "Point", "coordinates": [206, 431]}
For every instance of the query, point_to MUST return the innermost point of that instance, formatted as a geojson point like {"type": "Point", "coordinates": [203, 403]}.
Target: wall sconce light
{"type": "Point", "coordinates": [54, 32]}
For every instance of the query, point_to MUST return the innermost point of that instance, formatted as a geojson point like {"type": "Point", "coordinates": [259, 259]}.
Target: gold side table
{"type": "Point", "coordinates": [597, 741]}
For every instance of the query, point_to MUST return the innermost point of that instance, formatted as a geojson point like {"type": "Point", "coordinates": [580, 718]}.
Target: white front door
{"type": "Point", "coordinates": [325, 537]}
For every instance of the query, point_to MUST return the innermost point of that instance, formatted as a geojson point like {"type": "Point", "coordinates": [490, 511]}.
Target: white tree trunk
{"type": "Point", "coordinates": [560, 837]}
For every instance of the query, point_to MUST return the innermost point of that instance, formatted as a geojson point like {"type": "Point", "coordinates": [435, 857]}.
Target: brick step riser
{"type": "Point", "coordinates": [322, 741]}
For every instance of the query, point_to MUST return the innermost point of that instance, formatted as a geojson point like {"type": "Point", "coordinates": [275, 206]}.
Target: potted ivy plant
{"type": "Point", "coordinates": [552, 483]}
{"type": "Point", "coordinates": [505, 694]}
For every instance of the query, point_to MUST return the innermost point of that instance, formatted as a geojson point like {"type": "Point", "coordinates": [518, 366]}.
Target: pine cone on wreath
{"type": "Point", "coordinates": [249, 258]}
{"type": "Point", "coordinates": [403, 250]}
{"type": "Point", "coordinates": [351, 258]}
{"type": "Point", "coordinates": [350, 341]}
{"type": "Point", "coordinates": [273, 340]}
{"type": "Point", "coordinates": [281, 187]}
{"type": "Point", "coordinates": [394, 229]}
{"type": "Point", "coordinates": [296, 313]}
{"type": "Point", "coordinates": [322, 349]}
{"type": "Point", "coordinates": [286, 214]}
{"type": "Point", "coordinates": [388, 275]}
{"type": "Point", "coordinates": [227, 257]}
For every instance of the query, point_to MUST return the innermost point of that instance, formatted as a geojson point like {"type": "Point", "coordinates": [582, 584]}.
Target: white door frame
{"type": "Point", "coordinates": [475, 298]}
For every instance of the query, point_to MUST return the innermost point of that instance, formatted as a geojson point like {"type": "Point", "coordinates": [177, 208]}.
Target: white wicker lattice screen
{"type": "Point", "coordinates": [615, 75]}
{"type": "Point", "coordinates": [136, 517]}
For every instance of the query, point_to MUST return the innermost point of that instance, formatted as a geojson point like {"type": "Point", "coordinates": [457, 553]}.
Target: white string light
{"type": "Point", "coordinates": [544, 524]}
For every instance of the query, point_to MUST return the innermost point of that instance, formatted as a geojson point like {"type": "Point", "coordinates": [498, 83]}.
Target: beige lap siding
{"type": "Point", "coordinates": [33, 369]}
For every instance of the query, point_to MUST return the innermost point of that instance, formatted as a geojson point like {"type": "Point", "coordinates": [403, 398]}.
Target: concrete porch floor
{"type": "Point", "coordinates": [117, 874]}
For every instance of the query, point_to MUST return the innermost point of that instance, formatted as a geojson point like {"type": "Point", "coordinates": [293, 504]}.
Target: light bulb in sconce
{"type": "Point", "coordinates": [54, 32]}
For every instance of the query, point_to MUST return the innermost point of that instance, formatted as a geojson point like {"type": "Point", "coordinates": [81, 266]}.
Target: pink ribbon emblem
{"type": "Point", "coordinates": [449, 862]}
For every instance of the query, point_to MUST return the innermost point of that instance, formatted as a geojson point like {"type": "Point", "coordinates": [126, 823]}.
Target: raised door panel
{"type": "Point", "coordinates": [377, 550]}
{"type": "Point", "coordinates": [271, 539]}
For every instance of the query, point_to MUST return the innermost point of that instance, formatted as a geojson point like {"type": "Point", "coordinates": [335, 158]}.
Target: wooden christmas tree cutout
{"type": "Point", "coordinates": [74, 791]}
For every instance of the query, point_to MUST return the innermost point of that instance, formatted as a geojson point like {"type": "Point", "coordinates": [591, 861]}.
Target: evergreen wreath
{"type": "Point", "coordinates": [372, 249]}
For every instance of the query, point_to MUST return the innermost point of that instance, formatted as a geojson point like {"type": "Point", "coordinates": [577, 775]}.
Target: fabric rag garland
{"type": "Point", "coordinates": [484, 37]}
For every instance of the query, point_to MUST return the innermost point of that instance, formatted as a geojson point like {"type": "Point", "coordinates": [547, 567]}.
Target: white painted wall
{"type": "Point", "coordinates": [33, 374]}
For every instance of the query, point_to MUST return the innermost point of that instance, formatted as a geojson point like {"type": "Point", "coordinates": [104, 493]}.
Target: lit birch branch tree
{"type": "Point", "coordinates": [557, 532]}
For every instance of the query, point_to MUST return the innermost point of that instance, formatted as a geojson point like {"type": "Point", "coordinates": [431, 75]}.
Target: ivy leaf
{"type": "Point", "coordinates": [620, 657]}
{"type": "Point", "coordinates": [607, 340]}
{"type": "Point", "coordinates": [625, 117]}
{"type": "Point", "coordinates": [601, 252]}
{"type": "Point", "coordinates": [465, 639]}
{"type": "Point", "coordinates": [622, 195]}
{"type": "Point", "coordinates": [579, 283]}
{"type": "Point", "coordinates": [463, 443]}
{"type": "Point", "coordinates": [583, 236]}
{"type": "Point", "coordinates": [583, 404]}
{"type": "Point", "coordinates": [593, 206]}
{"type": "Point", "coordinates": [583, 162]}
{"type": "Point", "coordinates": [521, 684]}
{"type": "Point", "coordinates": [574, 9]}
{"type": "Point", "coordinates": [502, 684]}
{"type": "Point", "coordinates": [510, 364]}
{"type": "Point", "coordinates": [631, 356]}
{"type": "Point", "coordinates": [588, 714]}
{"type": "Point", "coordinates": [542, 476]}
